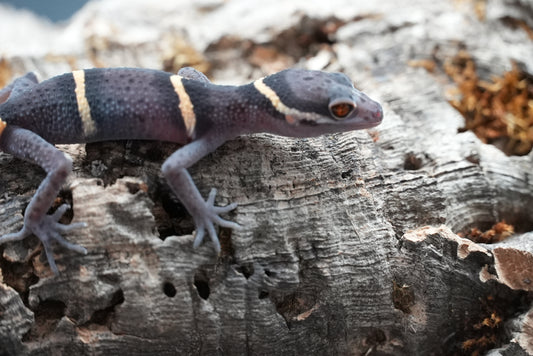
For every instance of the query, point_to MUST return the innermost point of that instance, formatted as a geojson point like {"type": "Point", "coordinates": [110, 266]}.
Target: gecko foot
{"type": "Point", "coordinates": [210, 217]}
{"type": "Point", "coordinates": [48, 229]}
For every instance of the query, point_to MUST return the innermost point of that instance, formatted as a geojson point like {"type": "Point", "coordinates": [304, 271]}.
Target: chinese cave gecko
{"type": "Point", "coordinates": [131, 103]}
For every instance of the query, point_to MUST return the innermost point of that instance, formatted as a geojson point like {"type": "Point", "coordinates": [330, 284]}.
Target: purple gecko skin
{"type": "Point", "coordinates": [130, 103]}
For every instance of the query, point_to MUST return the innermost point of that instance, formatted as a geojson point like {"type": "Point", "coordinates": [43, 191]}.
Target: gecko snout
{"type": "Point", "coordinates": [371, 112]}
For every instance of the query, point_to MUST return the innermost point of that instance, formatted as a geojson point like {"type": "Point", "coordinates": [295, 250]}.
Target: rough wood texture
{"type": "Point", "coordinates": [350, 244]}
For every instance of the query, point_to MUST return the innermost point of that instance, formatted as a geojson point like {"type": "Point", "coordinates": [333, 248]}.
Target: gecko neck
{"type": "Point", "coordinates": [246, 111]}
{"type": "Point", "coordinates": [238, 110]}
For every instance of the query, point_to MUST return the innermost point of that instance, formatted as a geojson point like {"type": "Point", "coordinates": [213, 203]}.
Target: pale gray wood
{"type": "Point", "coordinates": [350, 242]}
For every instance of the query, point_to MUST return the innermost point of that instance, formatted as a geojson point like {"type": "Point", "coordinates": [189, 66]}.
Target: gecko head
{"type": "Point", "coordinates": [316, 102]}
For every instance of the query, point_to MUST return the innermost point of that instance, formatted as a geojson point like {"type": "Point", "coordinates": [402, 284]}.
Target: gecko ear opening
{"type": "Point", "coordinates": [341, 108]}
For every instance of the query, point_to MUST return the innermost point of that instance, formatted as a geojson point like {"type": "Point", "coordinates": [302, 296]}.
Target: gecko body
{"type": "Point", "coordinates": [131, 103]}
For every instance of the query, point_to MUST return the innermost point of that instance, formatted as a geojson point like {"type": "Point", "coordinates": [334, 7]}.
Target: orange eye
{"type": "Point", "coordinates": [341, 110]}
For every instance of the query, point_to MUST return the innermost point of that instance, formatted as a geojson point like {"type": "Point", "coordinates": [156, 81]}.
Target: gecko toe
{"type": "Point", "coordinates": [225, 209]}
{"type": "Point", "coordinates": [200, 232]}
{"type": "Point", "coordinates": [70, 227]}
{"type": "Point", "coordinates": [214, 237]}
{"type": "Point", "coordinates": [50, 257]}
{"type": "Point", "coordinates": [208, 217]}
{"type": "Point", "coordinates": [47, 229]}
{"type": "Point", "coordinates": [69, 245]}
{"type": "Point", "coordinates": [226, 223]}
{"type": "Point", "coordinates": [16, 236]}
{"type": "Point", "coordinates": [211, 198]}
{"type": "Point", "coordinates": [60, 211]}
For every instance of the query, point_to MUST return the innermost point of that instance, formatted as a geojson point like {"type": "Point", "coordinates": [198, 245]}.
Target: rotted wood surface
{"type": "Point", "coordinates": [350, 244]}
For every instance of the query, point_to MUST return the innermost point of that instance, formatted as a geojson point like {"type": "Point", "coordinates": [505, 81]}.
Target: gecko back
{"type": "Point", "coordinates": [98, 105]}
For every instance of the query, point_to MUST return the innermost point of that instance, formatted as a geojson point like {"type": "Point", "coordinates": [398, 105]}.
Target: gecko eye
{"type": "Point", "coordinates": [340, 110]}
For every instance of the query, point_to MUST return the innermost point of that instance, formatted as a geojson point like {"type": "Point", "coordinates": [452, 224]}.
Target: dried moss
{"type": "Point", "coordinates": [499, 112]}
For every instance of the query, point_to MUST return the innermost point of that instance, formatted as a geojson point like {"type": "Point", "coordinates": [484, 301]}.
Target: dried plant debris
{"type": "Point", "coordinates": [499, 112]}
{"type": "Point", "coordinates": [498, 232]}
{"type": "Point", "coordinates": [307, 39]}
{"type": "Point", "coordinates": [485, 330]}
{"type": "Point", "coordinates": [179, 53]}
{"type": "Point", "coordinates": [478, 6]}
{"type": "Point", "coordinates": [518, 23]}
{"type": "Point", "coordinates": [5, 72]}
{"type": "Point", "coordinates": [428, 64]}
{"type": "Point", "coordinates": [403, 297]}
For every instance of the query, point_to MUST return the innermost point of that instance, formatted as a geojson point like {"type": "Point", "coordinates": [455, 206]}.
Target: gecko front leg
{"type": "Point", "coordinates": [31, 147]}
{"type": "Point", "coordinates": [204, 212]}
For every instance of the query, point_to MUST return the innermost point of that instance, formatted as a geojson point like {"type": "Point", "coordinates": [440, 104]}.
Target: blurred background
{"type": "Point", "coordinates": [55, 10]}
{"type": "Point", "coordinates": [331, 260]}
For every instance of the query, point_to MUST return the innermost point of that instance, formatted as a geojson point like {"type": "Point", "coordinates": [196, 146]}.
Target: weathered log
{"type": "Point", "coordinates": [350, 243]}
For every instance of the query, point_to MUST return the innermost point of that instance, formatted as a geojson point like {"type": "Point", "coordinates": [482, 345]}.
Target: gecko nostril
{"type": "Point", "coordinates": [378, 114]}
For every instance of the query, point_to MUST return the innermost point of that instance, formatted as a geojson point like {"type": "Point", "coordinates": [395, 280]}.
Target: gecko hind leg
{"type": "Point", "coordinates": [18, 86]}
{"type": "Point", "coordinates": [48, 231]}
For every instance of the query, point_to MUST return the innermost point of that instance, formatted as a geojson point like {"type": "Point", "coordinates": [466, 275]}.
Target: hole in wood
{"type": "Point", "coordinates": [263, 294]}
{"type": "Point", "coordinates": [375, 337]}
{"type": "Point", "coordinates": [226, 247]}
{"type": "Point", "coordinates": [299, 302]}
{"type": "Point", "coordinates": [171, 216]}
{"type": "Point", "coordinates": [47, 315]}
{"type": "Point", "coordinates": [473, 158]}
{"type": "Point", "coordinates": [246, 270]}
{"type": "Point", "coordinates": [169, 289]}
{"type": "Point", "coordinates": [269, 273]}
{"type": "Point", "coordinates": [133, 188]}
{"type": "Point", "coordinates": [412, 162]}
{"type": "Point", "coordinates": [105, 315]}
{"type": "Point", "coordinates": [64, 197]}
{"type": "Point", "coordinates": [403, 297]}
{"type": "Point", "coordinates": [202, 286]}
{"type": "Point", "coordinates": [346, 174]}
{"type": "Point", "coordinates": [18, 275]}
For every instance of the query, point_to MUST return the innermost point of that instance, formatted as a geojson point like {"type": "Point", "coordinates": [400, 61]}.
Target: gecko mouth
{"type": "Point", "coordinates": [308, 122]}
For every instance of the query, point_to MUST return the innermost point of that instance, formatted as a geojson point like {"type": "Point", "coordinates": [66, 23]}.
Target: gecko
{"type": "Point", "coordinates": [104, 104]}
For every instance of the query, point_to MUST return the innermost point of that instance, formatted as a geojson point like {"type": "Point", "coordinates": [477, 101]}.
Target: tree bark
{"type": "Point", "coordinates": [350, 241]}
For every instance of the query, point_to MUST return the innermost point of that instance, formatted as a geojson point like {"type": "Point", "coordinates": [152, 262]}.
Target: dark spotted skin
{"type": "Point", "coordinates": [48, 109]}
{"type": "Point", "coordinates": [305, 98]}
{"type": "Point", "coordinates": [130, 103]}
{"type": "Point", "coordinates": [133, 104]}
{"type": "Point", "coordinates": [311, 91]}
{"type": "Point", "coordinates": [125, 103]}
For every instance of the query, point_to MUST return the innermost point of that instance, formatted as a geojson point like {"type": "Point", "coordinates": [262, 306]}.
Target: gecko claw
{"type": "Point", "coordinates": [209, 217]}
{"type": "Point", "coordinates": [199, 236]}
{"type": "Point", "coordinates": [48, 229]}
